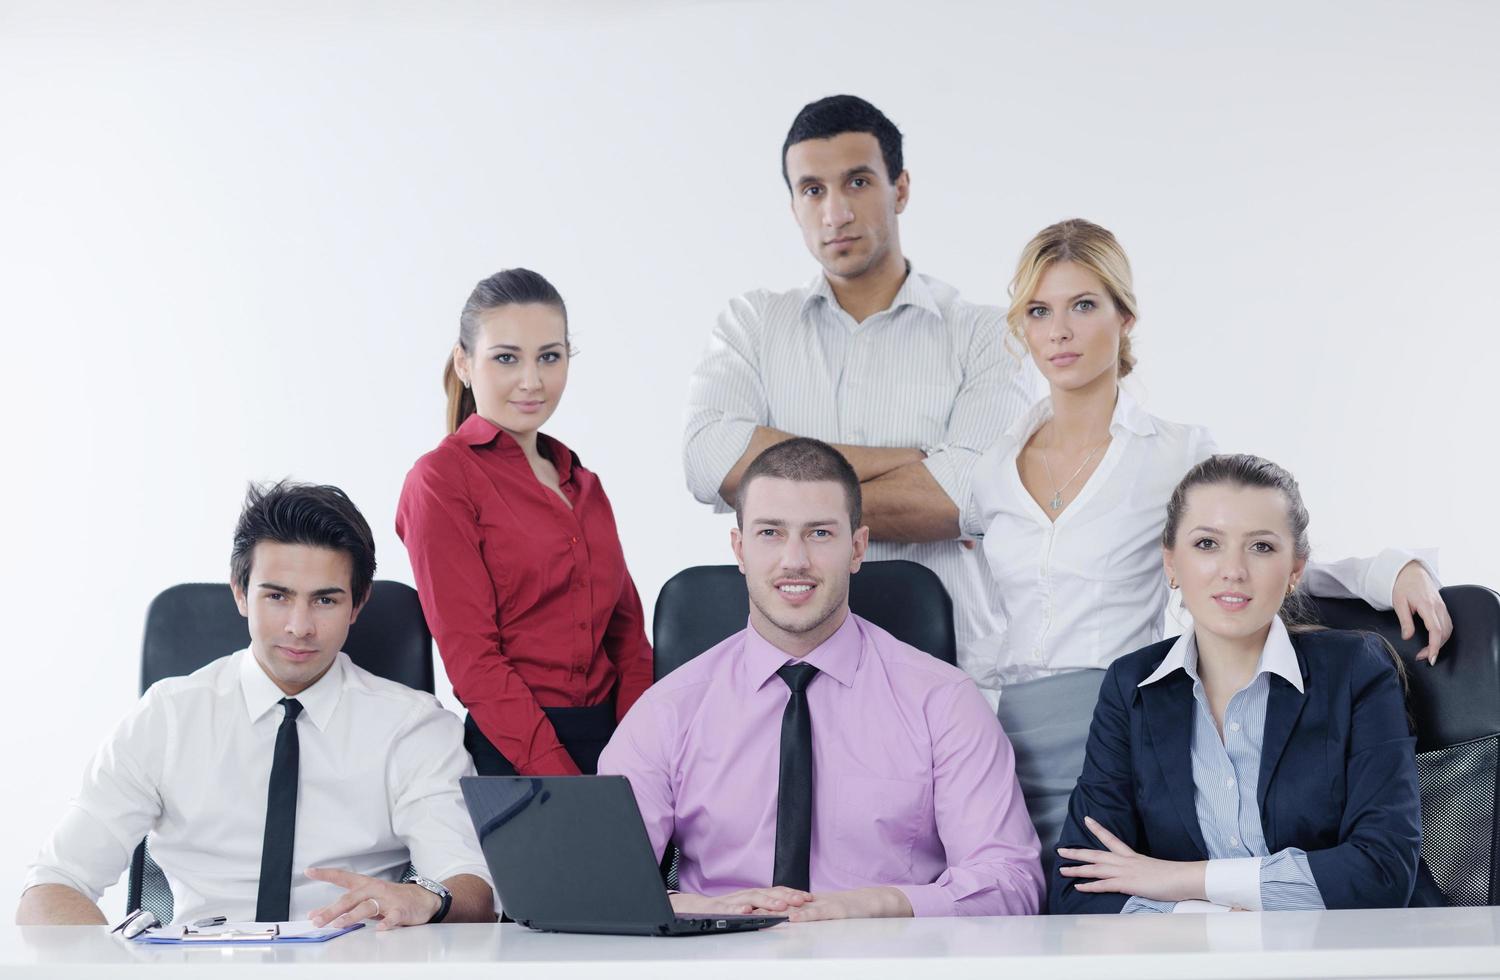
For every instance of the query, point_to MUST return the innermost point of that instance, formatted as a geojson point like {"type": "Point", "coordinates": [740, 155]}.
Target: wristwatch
{"type": "Point", "coordinates": [440, 890]}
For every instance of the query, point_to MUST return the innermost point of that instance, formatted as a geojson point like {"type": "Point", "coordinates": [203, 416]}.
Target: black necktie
{"type": "Point", "coordinates": [273, 903]}
{"type": "Point", "coordinates": [794, 788]}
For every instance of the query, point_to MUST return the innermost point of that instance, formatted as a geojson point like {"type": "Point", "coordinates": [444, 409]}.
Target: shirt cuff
{"type": "Point", "coordinates": [482, 872]}
{"type": "Point", "coordinates": [41, 874]}
{"type": "Point", "coordinates": [1234, 882]}
{"type": "Point", "coordinates": [951, 468]}
{"type": "Point", "coordinates": [927, 901]}
{"type": "Point", "coordinates": [1381, 578]}
{"type": "Point", "coordinates": [712, 452]}
{"type": "Point", "coordinates": [556, 762]}
{"type": "Point", "coordinates": [1199, 906]}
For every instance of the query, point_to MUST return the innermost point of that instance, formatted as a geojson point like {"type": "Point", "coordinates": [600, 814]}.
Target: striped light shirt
{"type": "Point", "coordinates": [932, 371]}
{"type": "Point", "coordinates": [1241, 874]}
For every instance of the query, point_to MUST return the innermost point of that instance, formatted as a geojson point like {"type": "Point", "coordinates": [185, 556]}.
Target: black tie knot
{"type": "Point", "coordinates": [293, 708]}
{"type": "Point", "coordinates": [797, 676]}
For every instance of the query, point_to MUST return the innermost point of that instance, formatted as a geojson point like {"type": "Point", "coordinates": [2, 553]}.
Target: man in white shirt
{"type": "Point", "coordinates": [907, 380]}
{"type": "Point", "coordinates": [280, 782]}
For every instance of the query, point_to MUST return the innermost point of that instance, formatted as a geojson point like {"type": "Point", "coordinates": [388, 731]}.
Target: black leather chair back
{"type": "Point", "coordinates": [700, 606]}
{"type": "Point", "coordinates": [1456, 706]}
{"type": "Point", "coordinates": [189, 626]}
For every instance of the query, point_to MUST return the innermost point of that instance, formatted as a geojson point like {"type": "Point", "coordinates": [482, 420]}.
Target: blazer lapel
{"type": "Point", "coordinates": [1169, 709]}
{"type": "Point", "coordinates": [1284, 705]}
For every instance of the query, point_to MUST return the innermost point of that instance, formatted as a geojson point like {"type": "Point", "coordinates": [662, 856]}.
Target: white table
{"type": "Point", "coordinates": [1382, 943]}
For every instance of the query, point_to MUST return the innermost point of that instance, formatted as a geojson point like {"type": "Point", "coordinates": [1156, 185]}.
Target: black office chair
{"type": "Point", "coordinates": [1456, 705]}
{"type": "Point", "coordinates": [700, 606]}
{"type": "Point", "coordinates": [187, 626]}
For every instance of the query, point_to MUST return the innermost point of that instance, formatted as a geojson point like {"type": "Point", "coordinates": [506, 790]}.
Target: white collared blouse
{"type": "Point", "coordinates": [1088, 588]}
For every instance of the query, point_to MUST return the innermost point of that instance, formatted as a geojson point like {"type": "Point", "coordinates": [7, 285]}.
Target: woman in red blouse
{"type": "Point", "coordinates": [515, 551]}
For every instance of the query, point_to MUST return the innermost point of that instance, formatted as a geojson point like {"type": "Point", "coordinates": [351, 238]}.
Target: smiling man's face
{"type": "Point", "coordinates": [797, 551]}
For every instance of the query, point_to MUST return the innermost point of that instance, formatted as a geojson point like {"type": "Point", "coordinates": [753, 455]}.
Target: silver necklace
{"type": "Point", "coordinates": [1056, 502]}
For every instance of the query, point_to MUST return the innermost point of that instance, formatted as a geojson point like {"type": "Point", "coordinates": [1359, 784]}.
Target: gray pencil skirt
{"type": "Point", "coordinates": [1048, 723]}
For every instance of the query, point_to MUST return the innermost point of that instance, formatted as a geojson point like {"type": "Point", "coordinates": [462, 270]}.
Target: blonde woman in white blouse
{"type": "Point", "coordinates": [1071, 502]}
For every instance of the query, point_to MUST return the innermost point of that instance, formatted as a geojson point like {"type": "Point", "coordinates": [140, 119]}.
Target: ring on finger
{"type": "Point", "coordinates": [375, 903]}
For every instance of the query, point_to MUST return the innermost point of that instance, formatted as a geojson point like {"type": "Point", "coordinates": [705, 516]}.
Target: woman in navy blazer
{"type": "Point", "coordinates": [1241, 765]}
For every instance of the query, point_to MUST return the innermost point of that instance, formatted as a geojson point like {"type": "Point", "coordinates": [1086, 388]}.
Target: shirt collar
{"type": "Point", "coordinates": [838, 656]}
{"type": "Point", "coordinates": [1128, 416]}
{"type": "Point", "coordinates": [261, 693]}
{"type": "Point", "coordinates": [913, 292]}
{"type": "Point", "coordinates": [1278, 656]}
{"type": "Point", "coordinates": [476, 430]}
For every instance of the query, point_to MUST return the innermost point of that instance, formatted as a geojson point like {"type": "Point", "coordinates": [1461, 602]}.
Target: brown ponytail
{"type": "Point", "coordinates": [460, 398]}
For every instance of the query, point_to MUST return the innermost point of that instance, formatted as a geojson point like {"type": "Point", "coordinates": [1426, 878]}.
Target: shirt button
{"type": "Point", "coordinates": [1234, 726]}
{"type": "Point", "coordinates": [1229, 782]}
{"type": "Point", "coordinates": [583, 626]}
{"type": "Point", "coordinates": [575, 540]}
{"type": "Point", "coordinates": [1234, 842]}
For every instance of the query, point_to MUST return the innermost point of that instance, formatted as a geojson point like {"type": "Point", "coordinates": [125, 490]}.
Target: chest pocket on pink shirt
{"type": "Point", "coordinates": [876, 823]}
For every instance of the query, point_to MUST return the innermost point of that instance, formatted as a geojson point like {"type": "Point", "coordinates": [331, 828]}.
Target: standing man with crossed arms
{"type": "Point", "coordinates": [908, 381]}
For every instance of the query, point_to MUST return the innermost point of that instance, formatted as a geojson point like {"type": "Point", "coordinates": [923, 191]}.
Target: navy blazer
{"type": "Point", "coordinates": [1338, 773]}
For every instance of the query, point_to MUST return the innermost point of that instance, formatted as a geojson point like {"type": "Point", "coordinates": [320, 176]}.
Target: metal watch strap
{"type": "Point", "coordinates": [445, 897]}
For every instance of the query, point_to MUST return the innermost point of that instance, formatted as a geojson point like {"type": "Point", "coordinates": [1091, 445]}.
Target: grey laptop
{"type": "Point", "coordinates": [570, 854]}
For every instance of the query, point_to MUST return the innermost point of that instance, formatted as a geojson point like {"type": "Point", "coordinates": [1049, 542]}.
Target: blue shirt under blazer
{"type": "Point", "coordinates": [1338, 773]}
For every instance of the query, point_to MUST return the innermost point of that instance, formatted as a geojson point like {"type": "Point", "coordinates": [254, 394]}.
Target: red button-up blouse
{"type": "Point", "coordinates": [530, 602]}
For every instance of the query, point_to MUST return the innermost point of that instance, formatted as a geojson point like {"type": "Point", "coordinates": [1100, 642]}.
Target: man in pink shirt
{"type": "Point", "coordinates": [813, 765]}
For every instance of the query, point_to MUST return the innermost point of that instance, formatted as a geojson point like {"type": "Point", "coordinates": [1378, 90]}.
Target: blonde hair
{"type": "Point", "coordinates": [1092, 247]}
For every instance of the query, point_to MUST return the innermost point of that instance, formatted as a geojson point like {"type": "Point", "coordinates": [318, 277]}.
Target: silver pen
{"type": "Point", "coordinates": [212, 920]}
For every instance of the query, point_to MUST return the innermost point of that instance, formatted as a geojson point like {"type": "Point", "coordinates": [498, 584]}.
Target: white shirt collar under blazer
{"type": "Point", "coordinates": [1277, 656]}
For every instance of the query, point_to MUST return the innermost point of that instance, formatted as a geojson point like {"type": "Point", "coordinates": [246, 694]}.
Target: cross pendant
{"type": "Point", "coordinates": [1056, 501]}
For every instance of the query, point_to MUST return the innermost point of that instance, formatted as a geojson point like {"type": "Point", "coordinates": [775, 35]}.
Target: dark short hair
{"type": "Point", "coordinates": [837, 114]}
{"type": "Point", "coordinates": [804, 461]}
{"type": "Point", "coordinates": [307, 514]}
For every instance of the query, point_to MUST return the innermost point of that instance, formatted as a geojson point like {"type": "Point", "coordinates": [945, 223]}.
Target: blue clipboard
{"type": "Point", "coordinates": [232, 939]}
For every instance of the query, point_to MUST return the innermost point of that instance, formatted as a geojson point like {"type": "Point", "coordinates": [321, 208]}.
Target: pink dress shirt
{"type": "Point", "coordinates": [914, 779]}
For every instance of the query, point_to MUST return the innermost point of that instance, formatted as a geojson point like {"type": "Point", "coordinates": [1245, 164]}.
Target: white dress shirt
{"type": "Point", "coordinates": [379, 765]}
{"type": "Point", "coordinates": [932, 372]}
{"type": "Point", "coordinates": [1089, 587]}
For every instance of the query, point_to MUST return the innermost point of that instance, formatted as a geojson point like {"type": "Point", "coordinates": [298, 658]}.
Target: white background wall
{"type": "Point", "coordinates": [234, 239]}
